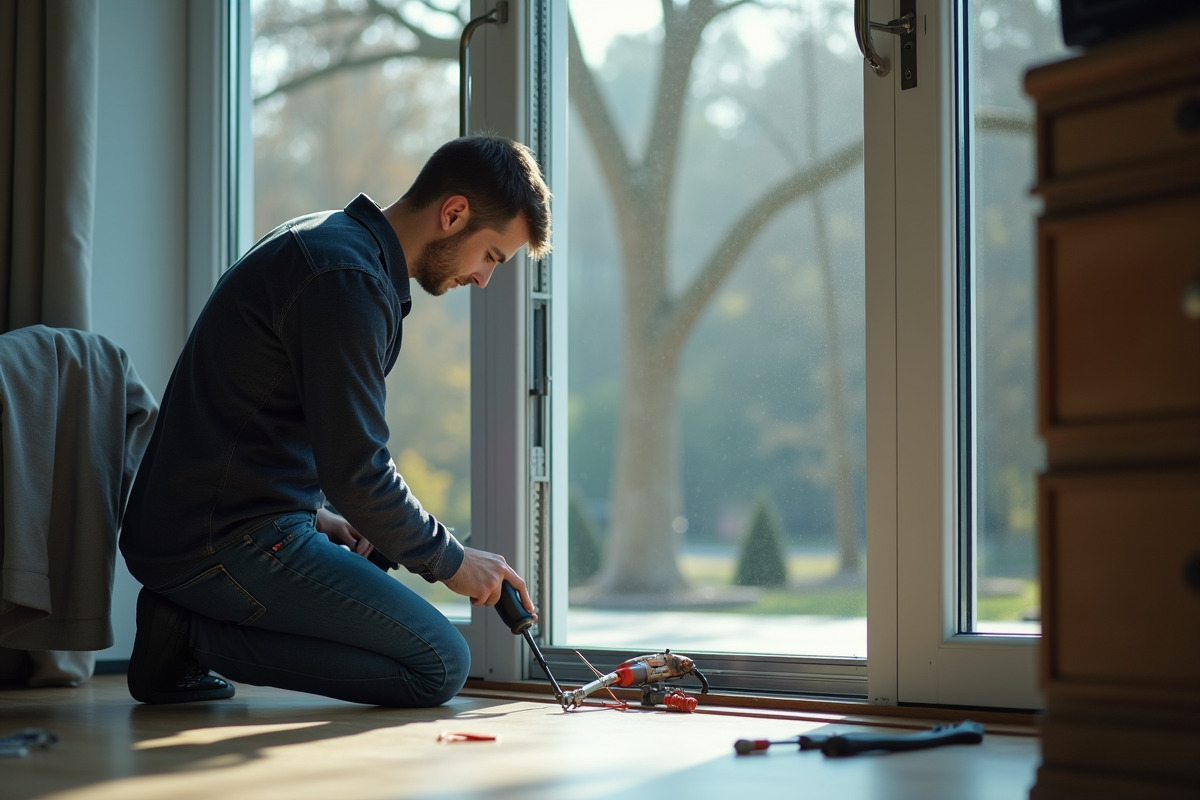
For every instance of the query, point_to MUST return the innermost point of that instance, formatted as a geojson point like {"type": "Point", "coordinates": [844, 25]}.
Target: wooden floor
{"type": "Point", "coordinates": [266, 744]}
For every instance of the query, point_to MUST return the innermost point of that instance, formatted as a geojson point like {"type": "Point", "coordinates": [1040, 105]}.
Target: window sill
{"type": "Point", "coordinates": [1015, 723]}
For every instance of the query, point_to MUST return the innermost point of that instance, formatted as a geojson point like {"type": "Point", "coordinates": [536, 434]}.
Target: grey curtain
{"type": "Point", "coordinates": [48, 89]}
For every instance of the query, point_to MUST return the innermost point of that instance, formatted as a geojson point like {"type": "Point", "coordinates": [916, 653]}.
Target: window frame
{"type": "Point", "coordinates": [220, 186]}
{"type": "Point", "coordinates": [935, 663]}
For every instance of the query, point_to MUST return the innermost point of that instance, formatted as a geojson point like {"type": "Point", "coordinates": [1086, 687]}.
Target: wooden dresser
{"type": "Point", "coordinates": [1119, 410]}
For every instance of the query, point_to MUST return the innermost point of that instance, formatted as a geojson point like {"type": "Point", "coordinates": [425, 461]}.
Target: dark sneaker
{"type": "Point", "coordinates": [162, 668]}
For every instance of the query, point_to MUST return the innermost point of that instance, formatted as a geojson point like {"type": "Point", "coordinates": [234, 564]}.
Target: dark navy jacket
{"type": "Point", "coordinates": [277, 404]}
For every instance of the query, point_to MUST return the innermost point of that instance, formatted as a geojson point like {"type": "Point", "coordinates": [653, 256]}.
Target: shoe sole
{"type": "Point", "coordinates": [211, 688]}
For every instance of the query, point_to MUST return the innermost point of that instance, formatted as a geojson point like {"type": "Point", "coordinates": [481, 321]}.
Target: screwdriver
{"type": "Point", "coordinates": [747, 746]}
{"type": "Point", "coordinates": [519, 620]}
{"type": "Point", "coordinates": [848, 744]}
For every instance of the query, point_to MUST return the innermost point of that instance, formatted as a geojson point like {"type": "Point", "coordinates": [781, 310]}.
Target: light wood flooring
{"type": "Point", "coordinates": [266, 744]}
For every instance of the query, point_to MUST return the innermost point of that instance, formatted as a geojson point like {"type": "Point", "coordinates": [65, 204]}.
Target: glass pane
{"type": "Point", "coordinates": [1006, 37]}
{"type": "Point", "coordinates": [348, 99]}
{"type": "Point", "coordinates": [716, 328]}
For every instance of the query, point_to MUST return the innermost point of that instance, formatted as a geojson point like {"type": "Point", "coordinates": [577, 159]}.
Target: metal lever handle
{"type": "Point", "coordinates": [497, 16]}
{"type": "Point", "coordinates": [897, 26]}
{"type": "Point", "coordinates": [862, 31]}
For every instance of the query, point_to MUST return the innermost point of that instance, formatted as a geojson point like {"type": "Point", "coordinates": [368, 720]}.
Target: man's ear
{"type": "Point", "coordinates": [454, 213]}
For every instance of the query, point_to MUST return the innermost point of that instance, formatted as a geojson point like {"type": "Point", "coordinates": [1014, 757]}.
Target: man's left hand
{"type": "Point", "coordinates": [340, 531]}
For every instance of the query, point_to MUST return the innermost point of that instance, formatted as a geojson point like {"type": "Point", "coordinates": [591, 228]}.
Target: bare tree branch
{"type": "Point", "coordinates": [725, 9]}
{"type": "Point", "coordinates": [450, 11]}
{"type": "Point", "coordinates": [682, 33]}
{"type": "Point", "coordinates": [687, 307]}
{"type": "Point", "coordinates": [345, 56]}
{"type": "Point", "coordinates": [681, 38]}
{"type": "Point", "coordinates": [599, 125]}
{"type": "Point", "coordinates": [284, 24]}
{"type": "Point", "coordinates": [346, 63]}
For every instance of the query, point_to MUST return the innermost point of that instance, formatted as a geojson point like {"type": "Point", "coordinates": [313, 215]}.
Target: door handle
{"type": "Point", "coordinates": [905, 27]}
{"type": "Point", "coordinates": [497, 16]}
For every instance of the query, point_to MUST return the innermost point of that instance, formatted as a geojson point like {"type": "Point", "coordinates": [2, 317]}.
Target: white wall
{"type": "Point", "coordinates": [140, 244]}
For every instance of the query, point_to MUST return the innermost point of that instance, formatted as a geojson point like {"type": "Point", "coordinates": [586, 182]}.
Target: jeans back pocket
{"type": "Point", "coordinates": [215, 594]}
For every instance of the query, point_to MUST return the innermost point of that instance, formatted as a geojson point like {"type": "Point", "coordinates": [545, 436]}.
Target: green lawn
{"type": "Point", "coordinates": [809, 597]}
{"type": "Point", "coordinates": [1010, 607]}
{"type": "Point", "coordinates": [806, 597]}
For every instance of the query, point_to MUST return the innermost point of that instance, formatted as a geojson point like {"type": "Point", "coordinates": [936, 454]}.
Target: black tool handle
{"type": "Point", "coordinates": [519, 621]}
{"type": "Point", "coordinates": [848, 744]}
{"type": "Point", "coordinates": [383, 562]}
{"type": "Point", "coordinates": [512, 611]}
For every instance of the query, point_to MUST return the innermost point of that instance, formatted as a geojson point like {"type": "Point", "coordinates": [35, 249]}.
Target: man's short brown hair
{"type": "Point", "coordinates": [500, 179]}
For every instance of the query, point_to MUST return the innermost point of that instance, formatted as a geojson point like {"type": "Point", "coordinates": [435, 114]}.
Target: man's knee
{"type": "Point", "coordinates": [437, 686]}
{"type": "Point", "coordinates": [457, 658]}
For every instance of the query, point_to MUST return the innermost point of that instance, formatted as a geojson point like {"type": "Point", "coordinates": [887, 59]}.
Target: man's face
{"type": "Point", "coordinates": [467, 257]}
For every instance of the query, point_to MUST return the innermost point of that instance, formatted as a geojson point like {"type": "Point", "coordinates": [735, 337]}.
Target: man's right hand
{"type": "Point", "coordinates": [481, 576]}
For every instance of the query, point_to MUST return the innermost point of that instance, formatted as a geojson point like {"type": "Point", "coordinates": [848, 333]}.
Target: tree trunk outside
{"type": "Point", "coordinates": [642, 555]}
{"type": "Point", "coordinates": [642, 552]}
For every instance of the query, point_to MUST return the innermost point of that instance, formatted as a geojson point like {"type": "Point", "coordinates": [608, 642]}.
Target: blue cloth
{"type": "Point", "coordinates": [284, 606]}
{"type": "Point", "coordinates": [276, 406]}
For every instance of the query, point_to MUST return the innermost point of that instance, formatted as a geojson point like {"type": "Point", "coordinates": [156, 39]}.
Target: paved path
{"type": "Point", "coordinates": [719, 632]}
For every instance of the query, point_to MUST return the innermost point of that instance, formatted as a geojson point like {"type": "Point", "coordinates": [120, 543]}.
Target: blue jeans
{"type": "Point", "coordinates": [284, 606]}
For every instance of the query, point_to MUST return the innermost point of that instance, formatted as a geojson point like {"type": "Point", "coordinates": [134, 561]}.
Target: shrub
{"type": "Point", "coordinates": [761, 561]}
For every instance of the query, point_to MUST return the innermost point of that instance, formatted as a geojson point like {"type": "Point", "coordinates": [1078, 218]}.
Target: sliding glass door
{"type": "Point", "coordinates": [715, 324]}
{"type": "Point", "coordinates": [953, 492]}
{"type": "Point", "coordinates": [769, 402]}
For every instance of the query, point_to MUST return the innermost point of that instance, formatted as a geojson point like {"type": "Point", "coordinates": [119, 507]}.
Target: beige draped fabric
{"type": "Point", "coordinates": [48, 90]}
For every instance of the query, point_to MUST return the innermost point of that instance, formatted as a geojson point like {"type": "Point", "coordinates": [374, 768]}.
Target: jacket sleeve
{"type": "Point", "coordinates": [338, 333]}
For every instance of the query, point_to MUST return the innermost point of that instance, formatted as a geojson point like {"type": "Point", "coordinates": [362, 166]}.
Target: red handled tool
{"type": "Point", "coordinates": [648, 672]}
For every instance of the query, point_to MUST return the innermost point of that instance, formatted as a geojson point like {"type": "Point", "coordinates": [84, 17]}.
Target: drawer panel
{"type": "Point", "coordinates": [1116, 345]}
{"type": "Point", "coordinates": [1122, 134]}
{"type": "Point", "coordinates": [1123, 609]}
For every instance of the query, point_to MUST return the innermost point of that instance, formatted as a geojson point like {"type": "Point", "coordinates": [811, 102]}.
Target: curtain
{"type": "Point", "coordinates": [48, 89]}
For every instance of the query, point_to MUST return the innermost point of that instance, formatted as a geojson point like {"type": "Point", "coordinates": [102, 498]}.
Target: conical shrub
{"type": "Point", "coordinates": [761, 561]}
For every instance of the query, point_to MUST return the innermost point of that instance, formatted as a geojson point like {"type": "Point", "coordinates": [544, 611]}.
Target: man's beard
{"type": "Point", "coordinates": [438, 263]}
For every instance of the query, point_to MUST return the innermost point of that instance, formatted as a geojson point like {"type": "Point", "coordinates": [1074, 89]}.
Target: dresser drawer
{"type": "Point", "coordinates": [1121, 552]}
{"type": "Point", "coordinates": [1117, 344]}
{"type": "Point", "coordinates": [1122, 134]}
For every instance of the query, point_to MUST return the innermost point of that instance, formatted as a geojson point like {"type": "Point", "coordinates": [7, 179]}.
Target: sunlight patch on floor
{"type": "Point", "coordinates": [213, 735]}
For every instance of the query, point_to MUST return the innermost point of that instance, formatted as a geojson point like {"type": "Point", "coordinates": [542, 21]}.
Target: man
{"type": "Point", "coordinates": [276, 409]}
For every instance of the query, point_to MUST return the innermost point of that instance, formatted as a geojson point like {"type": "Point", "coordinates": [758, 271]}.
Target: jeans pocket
{"type": "Point", "coordinates": [295, 522]}
{"type": "Point", "coordinates": [215, 594]}
{"type": "Point", "coordinates": [285, 529]}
